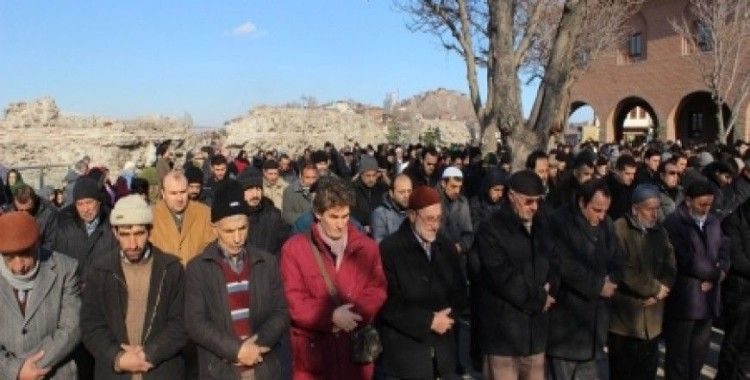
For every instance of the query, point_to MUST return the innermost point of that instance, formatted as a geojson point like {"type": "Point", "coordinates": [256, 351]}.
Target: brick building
{"type": "Point", "coordinates": [652, 69]}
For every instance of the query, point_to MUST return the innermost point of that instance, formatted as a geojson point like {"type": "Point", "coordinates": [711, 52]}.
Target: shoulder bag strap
{"type": "Point", "coordinates": [319, 260]}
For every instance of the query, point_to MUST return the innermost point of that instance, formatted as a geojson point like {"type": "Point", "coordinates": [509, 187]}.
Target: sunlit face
{"type": "Point", "coordinates": [219, 171]}
{"type": "Point", "coordinates": [584, 173]}
{"type": "Point", "coordinates": [681, 164]}
{"type": "Point", "coordinates": [723, 179]}
{"type": "Point", "coordinates": [426, 222]}
{"type": "Point", "coordinates": [542, 169]}
{"type": "Point", "coordinates": [194, 190]}
{"type": "Point", "coordinates": [670, 176]}
{"type": "Point", "coordinates": [20, 263]}
{"type": "Point", "coordinates": [87, 209]}
{"type": "Point", "coordinates": [626, 175]}
{"type": "Point", "coordinates": [495, 193]}
{"type": "Point", "coordinates": [429, 164]}
{"type": "Point", "coordinates": [253, 195]}
{"type": "Point", "coordinates": [271, 176]}
{"type": "Point", "coordinates": [647, 212]}
{"type": "Point", "coordinates": [653, 162]}
{"type": "Point", "coordinates": [334, 221]}
{"type": "Point", "coordinates": [370, 177]}
{"type": "Point", "coordinates": [452, 187]}
{"type": "Point", "coordinates": [401, 191]}
{"type": "Point", "coordinates": [525, 206]}
{"type": "Point", "coordinates": [231, 233]}
{"type": "Point", "coordinates": [12, 178]}
{"type": "Point", "coordinates": [700, 206]}
{"type": "Point", "coordinates": [596, 211]}
{"type": "Point", "coordinates": [133, 240]}
{"type": "Point", "coordinates": [284, 164]}
{"type": "Point", "coordinates": [175, 194]}
{"type": "Point", "coordinates": [308, 177]}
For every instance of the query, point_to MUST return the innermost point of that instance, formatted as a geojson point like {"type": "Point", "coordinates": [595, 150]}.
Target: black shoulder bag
{"type": "Point", "coordinates": [366, 345]}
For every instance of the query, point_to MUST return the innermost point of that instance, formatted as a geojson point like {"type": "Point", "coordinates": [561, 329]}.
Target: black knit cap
{"type": "Point", "coordinates": [194, 175]}
{"type": "Point", "coordinates": [250, 177]}
{"type": "Point", "coordinates": [228, 201]}
{"type": "Point", "coordinates": [526, 182]}
{"type": "Point", "coordinates": [699, 189]}
{"type": "Point", "coordinates": [86, 187]}
{"type": "Point", "coordinates": [270, 164]}
{"type": "Point", "coordinates": [319, 156]}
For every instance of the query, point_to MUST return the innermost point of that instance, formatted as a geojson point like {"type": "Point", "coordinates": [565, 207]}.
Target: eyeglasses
{"type": "Point", "coordinates": [434, 219]}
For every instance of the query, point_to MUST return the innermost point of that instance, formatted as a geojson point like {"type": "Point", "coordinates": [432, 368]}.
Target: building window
{"type": "Point", "coordinates": [641, 113]}
{"type": "Point", "coordinates": [703, 36]}
{"type": "Point", "coordinates": [696, 125]}
{"type": "Point", "coordinates": [633, 114]}
{"type": "Point", "coordinates": [635, 45]}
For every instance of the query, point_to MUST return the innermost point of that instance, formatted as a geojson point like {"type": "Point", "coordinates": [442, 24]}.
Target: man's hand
{"type": "Point", "coordinates": [550, 300]}
{"type": "Point", "coordinates": [133, 360]}
{"type": "Point", "coordinates": [723, 276]}
{"type": "Point", "coordinates": [345, 319]}
{"type": "Point", "coordinates": [29, 370]}
{"type": "Point", "coordinates": [663, 292]}
{"type": "Point", "coordinates": [442, 322]}
{"type": "Point", "coordinates": [706, 286]}
{"type": "Point", "coordinates": [651, 301]}
{"type": "Point", "coordinates": [608, 290]}
{"type": "Point", "coordinates": [459, 249]}
{"type": "Point", "coordinates": [250, 353]}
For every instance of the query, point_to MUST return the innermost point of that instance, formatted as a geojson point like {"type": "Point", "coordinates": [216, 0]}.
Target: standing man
{"type": "Point", "coordinates": [648, 274]}
{"type": "Point", "coordinates": [425, 287]}
{"type": "Point", "coordinates": [297, 198]}
{"type": "Point", "coordinates": [273, 184]}
{"type": "Point", "coordinates": [702, 254]}
{"type": "Point", "coordinates": [671, 194]}
{"type": "Point", "coordinates": [538, 162]}
{"type": "Point", "coordinates": [368, 189]}
{"type": "Point", "coordinates": [566, 189]}
{"type": "Point", "coordinates": [267, 230]}
{"type": "Point", "coordinates": [456, 222]}
{"type": "Point", "coordinates": [286, 171]}
{"type": "Point", "coordinates": [181, 226]}
{"type": "Point", "coordinates": [648, 172]}
{"type": "Point", "coordinates": [235, 309]}
{"type": "Point", "coordinates": [518, 277]}
{"type": "Point", "coordinates": [219, 172]}
{"type": "Point", "coordinates": [387, 218]}
{"type": "Point", "coordinates": [589, 255]}
{"type": "Point", "coordinates": [43, 211]}
{"type": "Point", "coordinates": [39, 299]}
{"type": "Point", "coordinates": [195, 183]}
{"type": "Point", "coordinates": [424, 171]}
{"type": "Point", "coordinates": [164, 159]}
{"type": "Point", "coordinates": [621, 183]}
{"type": "Point", "coordinates": [132, 313]}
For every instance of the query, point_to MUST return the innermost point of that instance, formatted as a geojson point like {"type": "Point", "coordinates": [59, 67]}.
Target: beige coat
{"type": "Point", "coordinates": [275, 192]}
{"type": "Point", "coordinates": [195, 235]}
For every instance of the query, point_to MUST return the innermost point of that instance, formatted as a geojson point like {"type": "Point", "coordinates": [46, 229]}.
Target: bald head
{"type": "Point", "coordinates": [401, 190]}
{"type": "Point", "coordinates": [174, 191]}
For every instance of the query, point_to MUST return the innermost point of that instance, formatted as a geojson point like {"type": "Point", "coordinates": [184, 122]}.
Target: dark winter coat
{"type": "Point", "coordinates": [480, 205]}
{"type": "Point", "coordinates": [579, 320]}
{"type": "Point", "coordinates": [563, 193]}
{"type": "Point", "coordinates": [737, 229]}
{"type": "Point", "coordinates": [669, 199]}
{"type": "Point", "coordinates": [645, 175]}
{"type": "Point", "coordinates": [621, 195]}
{"type": "Point", "coordinates": [418, 176]}
{"type": "Point", "coordinates": [386, 218]}
{"type": "Point", "coordinates": [456, 221]}
{"type": "Point", "coordinates": [648, 262]}
{"type": "Point", "coordinates": [267, 230]}
{"type": "Point", "coordinates": [209, 322]}
{"type": "Point", "coordinates": [701, 256]}
{"type": "Point", "coordinates": [514, 267]}
{"type": "Point", "coordinates": [417, 288]}
{"type": "Point", "coordinates": [72, 240]}
{"type": "Point", "coordinates": [367, 199]}
{"type": "Point", "coordinates": [105, 301]}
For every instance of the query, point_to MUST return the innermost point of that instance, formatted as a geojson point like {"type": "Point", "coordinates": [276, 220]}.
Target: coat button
{"type": "Point", "coordinates": [24, 331]}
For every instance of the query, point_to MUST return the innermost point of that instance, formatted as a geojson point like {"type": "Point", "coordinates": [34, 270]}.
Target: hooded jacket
{"type": "Point", "coordinates": [386, 218]}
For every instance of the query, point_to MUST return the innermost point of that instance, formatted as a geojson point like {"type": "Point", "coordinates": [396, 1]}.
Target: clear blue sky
{"type": "Point", "coordinates": [214, 59]}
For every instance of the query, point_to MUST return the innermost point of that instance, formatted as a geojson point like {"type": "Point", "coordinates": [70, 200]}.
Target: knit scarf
{"type": "Point", "coordinates": [337, 246]}
{"type": "Point", "coordinates": [20, 282]}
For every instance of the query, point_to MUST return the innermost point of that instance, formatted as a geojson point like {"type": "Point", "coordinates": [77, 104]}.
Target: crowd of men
{"type": "Point", "coordinates": [577, 265]}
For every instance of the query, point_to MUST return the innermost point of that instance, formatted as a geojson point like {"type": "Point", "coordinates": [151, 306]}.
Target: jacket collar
{"type": "Point", "coordinates": [213, 253]}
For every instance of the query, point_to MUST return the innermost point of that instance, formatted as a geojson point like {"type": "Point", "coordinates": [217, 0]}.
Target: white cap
{"type": "Point", "coordinates": [452, 172]}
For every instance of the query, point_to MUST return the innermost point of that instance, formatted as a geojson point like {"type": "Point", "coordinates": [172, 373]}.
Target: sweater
{"type": "Point", "coordinates": [137, 278]}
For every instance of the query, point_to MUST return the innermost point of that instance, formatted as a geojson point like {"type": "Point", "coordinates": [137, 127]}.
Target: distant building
{"type": "Point", "coordinates": [651, 84]}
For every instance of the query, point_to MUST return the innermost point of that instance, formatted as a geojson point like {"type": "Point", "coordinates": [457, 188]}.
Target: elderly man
{"type": "Point", "coordinates": [369, 188]}
{"type": "Point", "coordinates": [182, 226]}
{"type": "Point", "coordinates": [648, 274]}
{"type": "Point", "coordinates": [40, 304]}
{"type": "Point", "coordinates": [297, 198]}
{"type": "Point", "coordinates": [590, 261]}
{"type": "Point", "coordinates": [425, 289]}
{"type": "Point", "coordinates": [387, 218]}
{"type": "Point", "coordinates": [517, 277]}
{"type": "Point", "coordinates": [267, 229]}
{"type": "Point", "coordinates": [702, 255]}
{"type": "Point", "coordinates": [273, 184]}
{"type": "Point", "coordinates": [235, 310]}
{"type": "Point", "coordinates": [133, 305]}
{"type": "Point", "coordinates": [43, 211]}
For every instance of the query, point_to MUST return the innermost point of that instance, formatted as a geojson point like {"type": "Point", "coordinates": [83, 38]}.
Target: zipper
{"type": "Point", "coordinates": [156, 305]}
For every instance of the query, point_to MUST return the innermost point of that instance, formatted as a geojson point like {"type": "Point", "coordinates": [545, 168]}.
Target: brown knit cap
{"type": "Point", "coordinates": [423, 196]}
{"type": "Point", "coordinates": [18, 232]}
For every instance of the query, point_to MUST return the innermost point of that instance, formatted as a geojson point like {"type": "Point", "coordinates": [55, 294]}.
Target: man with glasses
{"type": "Point", "coordinates": [424, 171]}
{"type": "Point", "coordinates": [670, 192]}
{"type": "Point", "coordinates": [426, 291]}
{"type": "Point", "coordinates": [517, 278]}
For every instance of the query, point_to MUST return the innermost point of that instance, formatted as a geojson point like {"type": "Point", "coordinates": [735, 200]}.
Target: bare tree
{"type": "Point", "coordinates": [717, 37]}
{"type": "Point", "coordinates": [553, 39]}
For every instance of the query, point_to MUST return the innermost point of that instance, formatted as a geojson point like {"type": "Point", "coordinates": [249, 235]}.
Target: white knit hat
{"type": "Point", "coordinates": [131, 210]}
{"type": "Point", "coordinates": [452, 172]}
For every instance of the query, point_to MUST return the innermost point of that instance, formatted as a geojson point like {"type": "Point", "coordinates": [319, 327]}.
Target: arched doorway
{"type": "Point", "coordinates": [695, 120]}
{"type": "Point", "coordinates": [635, 121]}
{"type": "Point", "coordinates": [583, 124]}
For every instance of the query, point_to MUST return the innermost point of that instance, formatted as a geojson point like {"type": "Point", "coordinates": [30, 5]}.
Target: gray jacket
{"type": "Point", "coordinates": [386, 218]}
{"type": "Point", "coordinates": [456, 223]}
{"type": "Point", "coordinates": [296, 202]}
{"type": "Point", "coordinates": [51, 321]}
{"type": "Point", "coordinates": [668, 202]}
